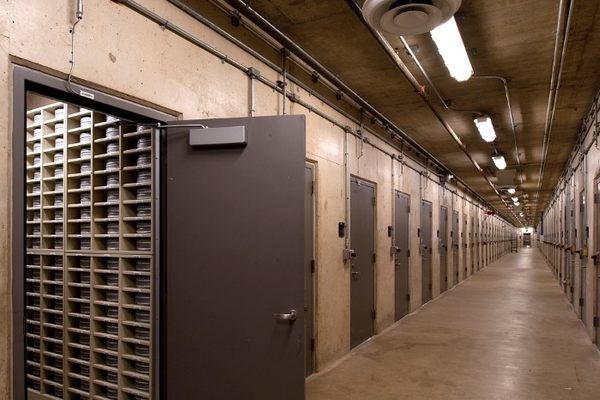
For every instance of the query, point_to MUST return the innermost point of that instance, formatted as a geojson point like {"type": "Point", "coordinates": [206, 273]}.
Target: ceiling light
{"type": "Point", "coordinates": [514, 199]}
{"type": "Point", "coordinates": [452, 49]}
{"type": "Point", "coordinates": [499, 161]}
{"type": "Point", "coordinates": [485, 127]}
{"type": "Point", "coordinates": [517, 203]}
{"type": "Point", "coordinates": [511, 190]}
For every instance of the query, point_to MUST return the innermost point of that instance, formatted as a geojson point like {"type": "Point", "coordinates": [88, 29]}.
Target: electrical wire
{"type": "Point", "coordinates": [79, 16]}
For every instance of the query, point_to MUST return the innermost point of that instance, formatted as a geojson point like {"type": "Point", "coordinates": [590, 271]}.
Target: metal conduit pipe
{"type": "Point", "coordinates": [288, 43]}
{"type": "Point", "coordinates": [448, 107]}
{"type": "Point", "coordinates": [361, 102]}
{"type": "Point", "coordinates": [420, 91]}
{"type": "Point", "coordinates": [560, 49]}
{"type": "Point", "coordinates": [164, 23]}
{"type": "Point", "coordinates": [293, 79]}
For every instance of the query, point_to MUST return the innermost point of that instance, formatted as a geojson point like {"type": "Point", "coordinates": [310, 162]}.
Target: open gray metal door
{"type": "Point", "coordinates": [443, 234]}
{"type": "Point", "coordinates": [454, 247]}
{"type": "Point", "coordinates": [362, 234]}
{"type": "Point", "coordinates": [402, 254]}
{"type": "Point", "coordinates": [425, 237]}
{"type": "Point", "coordinates": [233, 259]}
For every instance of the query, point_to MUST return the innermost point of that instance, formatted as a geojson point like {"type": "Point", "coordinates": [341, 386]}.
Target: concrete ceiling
{"type": "Point", "coordinates": [512, 38]}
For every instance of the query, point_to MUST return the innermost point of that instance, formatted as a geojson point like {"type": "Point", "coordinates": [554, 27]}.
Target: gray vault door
{"type": "Point", "coordinates": [309, 270]}
{"type": "Point", "coordinates": [455, 245]}
{"type": "Point", "coordinates": [443, 249]}
{"type": "Point", "coordinates": [362, 274]}
{"type": "Point", "coordinates": [402, 253]}
{"type": "Point", "coordinates": [425, 237]}
{"type": "Point", "coordinates": [233, 263]}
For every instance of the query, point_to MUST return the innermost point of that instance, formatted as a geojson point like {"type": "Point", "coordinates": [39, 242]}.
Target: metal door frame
{"type": "Point", "coordinates": [455, 238]}
{"type": "Point", "coordinates": [430, 286]}
{"type": "Point", "coordinates": [26, 80]}
{"type": "Point", "coordinates": [595, 284]}
{"type": "Point", "coordinates": [312, 165]}
{"type": "Point", "coordinates": [409, 242]}
{"type": "Point", "coordinates": [442, 207]}
{"type": "Point", "coordinates": [373, 185]}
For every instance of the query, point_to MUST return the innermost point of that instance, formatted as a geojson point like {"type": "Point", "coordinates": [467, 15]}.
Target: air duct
{"type": "Point", "coordinates": [408, 17]}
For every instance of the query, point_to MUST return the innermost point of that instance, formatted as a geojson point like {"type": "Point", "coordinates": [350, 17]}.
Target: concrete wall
{"type": "Point", "coordinates": [125, 54]}
{"type": "Point", "coordinates": [569, 249]}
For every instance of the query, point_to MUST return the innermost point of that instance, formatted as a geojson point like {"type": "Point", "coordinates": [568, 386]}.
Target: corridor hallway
{"type": "Point", "coordinates": [508, 332]}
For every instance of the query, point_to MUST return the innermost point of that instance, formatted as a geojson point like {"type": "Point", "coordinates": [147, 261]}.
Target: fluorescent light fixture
{"type": "Point", "coordinates": [499, 161]}
{"type": "Point", "coordinates": [515, 199]}
{"type": "Point", "coordinates": [517, 203]}
{"type": "Point", "coordinates": [485, 128]}
{"type": "Point", "coordinates": [511, 190]}
{"type": "Point", "coordinates": [452, 49]}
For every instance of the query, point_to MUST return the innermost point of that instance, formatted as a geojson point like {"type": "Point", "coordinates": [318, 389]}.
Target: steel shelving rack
{"type": "Point", "coordinates": [89, 256]}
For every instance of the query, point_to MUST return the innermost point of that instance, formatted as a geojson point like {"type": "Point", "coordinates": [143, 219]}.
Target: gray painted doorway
{"type": "Point", "coordinates": [596, 250]}
{"type": "Point", "coordinates": [465, 246]}
{"type": "Point", "coordinates": [582, 238]}
{"type": "Point", "coordinates": [443, 234]}
{"type": "Point", "coordinates": [472, 244]}
{"type": "Point", "coordinates": [309, 269]}
{"type": "Point", "coordinates": [362, 275]}
{"type": "Point", "coordinates": [402, 254]}
{"type": "Point", "coordinates": [455, 245]}
{"type": "Point", "coordinates": [233, 259]}
{"type": "Point", "coordinates": [425, 237]}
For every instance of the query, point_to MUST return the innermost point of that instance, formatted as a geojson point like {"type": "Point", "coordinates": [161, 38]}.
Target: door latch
{"type": "Point", "coordinates": [291, 316]}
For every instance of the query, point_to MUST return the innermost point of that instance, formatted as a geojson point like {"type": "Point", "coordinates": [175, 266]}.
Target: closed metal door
{"type": "Point", "coordinates": [596, 237]}
{"type": "Point", "coordinates": [463, 239]}
{"type": "Point", "coordinates": [454, 234]}
{"type": "Point", "coordinates": [309, 266]}
{"type": "Point", "coordinates": [425, 237]}
{"type": "Point", "coordinates": [582, 243]}
{"type": "Point", "coordinates": [402, 254]}
{"type": "Point", "coordinates": [472, 244]}
{"type": "Point", "coordinates": [362, 238]}
{"type": "Point", "coordinates": [443, 249]}
{"type": "Point", "coordinates": [233, 255]}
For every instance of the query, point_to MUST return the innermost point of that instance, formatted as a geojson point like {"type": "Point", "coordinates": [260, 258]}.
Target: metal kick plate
{"type": "Point", "coordinates": [231, 136]}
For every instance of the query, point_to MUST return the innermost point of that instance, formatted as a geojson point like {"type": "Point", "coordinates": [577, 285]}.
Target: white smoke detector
{"type": "Point", "coordinates": [408, 17]}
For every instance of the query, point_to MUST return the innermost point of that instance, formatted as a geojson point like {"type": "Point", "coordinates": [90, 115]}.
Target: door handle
{"type": "Point", "coordinates": [355, 273]}
{"type": "Point", "coordinates": [291, 316]}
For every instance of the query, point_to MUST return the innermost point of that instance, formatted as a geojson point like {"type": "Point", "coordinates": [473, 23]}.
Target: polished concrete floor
{"type": "Point", "coordinates": [508, 332]}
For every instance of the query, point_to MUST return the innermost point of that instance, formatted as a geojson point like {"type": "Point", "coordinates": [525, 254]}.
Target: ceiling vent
{"type": "Point", "coordinates": [408, 17]}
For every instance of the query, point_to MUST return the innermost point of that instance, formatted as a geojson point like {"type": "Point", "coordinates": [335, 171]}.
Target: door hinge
{"type": "Point", "coordinates": [408, 209]}
{"type": "Point", "coordinates": [374, 314]}
{"type": "Point", "coordinates": [312, 266]}
{"type": "Point", "coordinates": [374, 258]}
{"type": "Point", "coordinates": [312, 187]}
{"type": "Point", "coordinates": [429, 286]}
{"type": "Point", "coordinates": [581, 302]}
{"type": "Point", "coordinates": [596, 198]}
{"type": "Point", "coordinates": [312, 344]}
{"type": "Point", "coordinates": [408, 297]}
{"type": "Point", "coordinates": [596, 322]}
{"type": "Point", "coordinates": [408, 253]}
{"type": "Point", "coordinates": [572, 289]}
{"type": "Point", "coordinates": [374, 201]}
